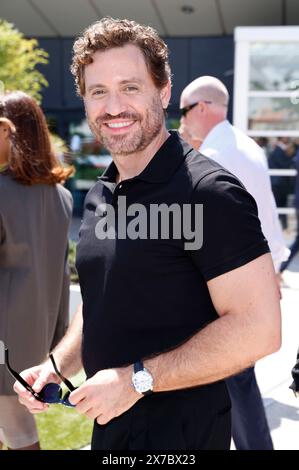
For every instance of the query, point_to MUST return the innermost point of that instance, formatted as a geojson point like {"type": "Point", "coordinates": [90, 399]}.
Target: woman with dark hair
{"type": "Point", "coordinates": [35, 213]}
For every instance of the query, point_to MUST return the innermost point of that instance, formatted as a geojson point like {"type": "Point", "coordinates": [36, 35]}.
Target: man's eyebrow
{"type": "Point", "coordinates": [130, 80]}
{"type": "Point", "coordinates": [95, 85]}
{"type": "Point", "coordinates": [122, 82]}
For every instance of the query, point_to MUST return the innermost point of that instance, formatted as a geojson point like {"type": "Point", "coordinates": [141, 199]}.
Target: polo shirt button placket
{"type": "Point", "coordinates": [118, 191]}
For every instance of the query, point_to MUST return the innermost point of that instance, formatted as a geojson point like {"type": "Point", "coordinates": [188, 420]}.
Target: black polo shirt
{"type": "Point", "coordinates": [143, 296]}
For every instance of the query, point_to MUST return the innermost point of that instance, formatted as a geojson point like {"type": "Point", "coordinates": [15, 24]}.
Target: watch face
{"type": "Point", "coordinates": [142, 381]}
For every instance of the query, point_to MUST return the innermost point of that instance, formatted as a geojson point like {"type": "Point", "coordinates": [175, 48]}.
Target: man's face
{"type": "Point", "coordinates": [123, 106]}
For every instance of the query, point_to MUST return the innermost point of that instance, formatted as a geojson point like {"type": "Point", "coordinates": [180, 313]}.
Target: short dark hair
{"type": "Point", "coordinates": [109, 33]}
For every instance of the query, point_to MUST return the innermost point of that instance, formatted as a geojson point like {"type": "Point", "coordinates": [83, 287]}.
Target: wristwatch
{"type": "Point", "coordinates": [142, 379]}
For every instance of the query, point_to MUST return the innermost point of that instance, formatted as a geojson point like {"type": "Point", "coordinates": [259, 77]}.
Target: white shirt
{"type": "Point", "coordinates": [239, 154]}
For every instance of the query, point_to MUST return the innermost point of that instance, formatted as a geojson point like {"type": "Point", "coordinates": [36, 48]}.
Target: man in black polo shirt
{"type": "Point", "coordinates": [175, 273]}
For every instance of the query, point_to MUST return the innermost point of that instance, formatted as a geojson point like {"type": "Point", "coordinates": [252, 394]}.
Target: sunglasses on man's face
{"type": "Point", "coordinates": [188, 108]}
{"type": "Point", "coordinates": [51, 393]}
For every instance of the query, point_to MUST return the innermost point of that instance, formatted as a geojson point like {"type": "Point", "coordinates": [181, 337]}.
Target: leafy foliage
{"type": "Point", "coordinates": [18, 60]}
{"type": "Point", "coordinates": [72, 261]}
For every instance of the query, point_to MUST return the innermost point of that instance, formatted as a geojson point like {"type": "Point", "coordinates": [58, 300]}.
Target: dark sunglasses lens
{"type": "Point", "coordinates": [51, 393]}
{"type": "Point", "coordinates": [65, 400]}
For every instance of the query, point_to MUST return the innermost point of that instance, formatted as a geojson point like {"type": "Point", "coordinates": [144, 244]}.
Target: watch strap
{"type": "Point", "coordinates": [138, 366]}
{"type": "Point", "coordinates": [148, 392]}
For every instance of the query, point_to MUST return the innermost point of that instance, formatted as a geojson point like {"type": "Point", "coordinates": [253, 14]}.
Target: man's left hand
{"type": "Point", "coordinates": [107, 394]}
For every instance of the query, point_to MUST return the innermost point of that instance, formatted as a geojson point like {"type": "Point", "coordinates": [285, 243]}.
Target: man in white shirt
{"type": "Point", "coordinates": [204, 104]}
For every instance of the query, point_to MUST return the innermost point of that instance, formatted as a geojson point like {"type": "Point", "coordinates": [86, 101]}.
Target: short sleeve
{"type": "Point", "coordinates": [232, 233]}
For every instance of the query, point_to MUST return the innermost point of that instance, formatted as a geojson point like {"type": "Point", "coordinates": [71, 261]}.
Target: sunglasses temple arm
{"type": "Point", "coordinates": [69, 385]}
{"type": "Point", "coordinates": [18, 377]}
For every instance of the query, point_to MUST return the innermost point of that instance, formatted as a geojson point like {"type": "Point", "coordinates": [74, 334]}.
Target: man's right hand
{"type": "Point", "coordinates": [37, 377]}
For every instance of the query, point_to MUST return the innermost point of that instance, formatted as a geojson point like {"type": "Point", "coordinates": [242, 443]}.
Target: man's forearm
{"type": "Point", "coordinates": [248, 328]}
{"type": "Point", "coordinates": [221, 349]}
{"type": "Point", "coordinates": [202, 359]}
{"type": "Point", "coordinates": [68, 351]}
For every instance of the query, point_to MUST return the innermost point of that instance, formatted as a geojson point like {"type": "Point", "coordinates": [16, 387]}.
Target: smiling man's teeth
{"type": "Point", "coordinates": [119, 124]}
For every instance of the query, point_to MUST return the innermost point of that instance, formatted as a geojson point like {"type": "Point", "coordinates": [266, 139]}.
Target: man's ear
{"type": "Point", "coordinates": [165, 94]}
{"type": "Point", "coordinates": [201, 107]}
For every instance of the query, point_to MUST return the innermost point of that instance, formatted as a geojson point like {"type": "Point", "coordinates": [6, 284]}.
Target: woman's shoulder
{"type": "Point", "coordinates": [5, 175]}
{"type": "Point", "coordinates": [6, 181]}
{"type": "Point", "coordinates": [65, 195]}
{"type": "Point", "coordinates": [11, 186]}
{"type": "Point", "coordinates": [64, 192]}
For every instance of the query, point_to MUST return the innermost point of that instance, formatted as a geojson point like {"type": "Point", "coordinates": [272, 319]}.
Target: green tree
{"type": "Point", "coordinates": [18, 60]}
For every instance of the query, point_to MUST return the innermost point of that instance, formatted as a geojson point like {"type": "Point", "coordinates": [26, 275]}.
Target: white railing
{"type": "Point", "coordinates": [274, 172]}
{"type": "Point", "coordinates": [290, 172]}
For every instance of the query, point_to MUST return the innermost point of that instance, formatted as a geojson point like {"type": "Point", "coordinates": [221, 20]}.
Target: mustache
{"type": "Point", "coordinates": [108, 117]}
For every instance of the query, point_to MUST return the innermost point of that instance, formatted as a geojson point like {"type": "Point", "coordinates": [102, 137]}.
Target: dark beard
{"type": "Point", "coordinates": [149, 128]}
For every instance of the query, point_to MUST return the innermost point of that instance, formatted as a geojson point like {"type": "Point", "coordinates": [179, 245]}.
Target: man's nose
{"type": "Point", "coordinates": [115, 104]}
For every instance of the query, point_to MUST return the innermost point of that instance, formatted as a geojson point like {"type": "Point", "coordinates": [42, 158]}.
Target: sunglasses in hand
{"type": "Point", "coordinates": [51, 393]}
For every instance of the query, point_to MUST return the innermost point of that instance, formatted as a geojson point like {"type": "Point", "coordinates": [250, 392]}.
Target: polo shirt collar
{"type": "Point", "coordinates": [162, 166]}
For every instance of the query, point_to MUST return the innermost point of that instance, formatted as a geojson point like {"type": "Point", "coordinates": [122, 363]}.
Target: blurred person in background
{"type": "Point", "coordinates": [264, 143]}
{"type": "Point", "coordinates": [204, 104]}
{"type": "Point", "coordinates": [187, 136]}
{"type": "Point", "coordinates": [295, 245]}
{"type": "Point", "coordinates": [35, 213]}
{"type": "Point", "coordinates": [282, 158]}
